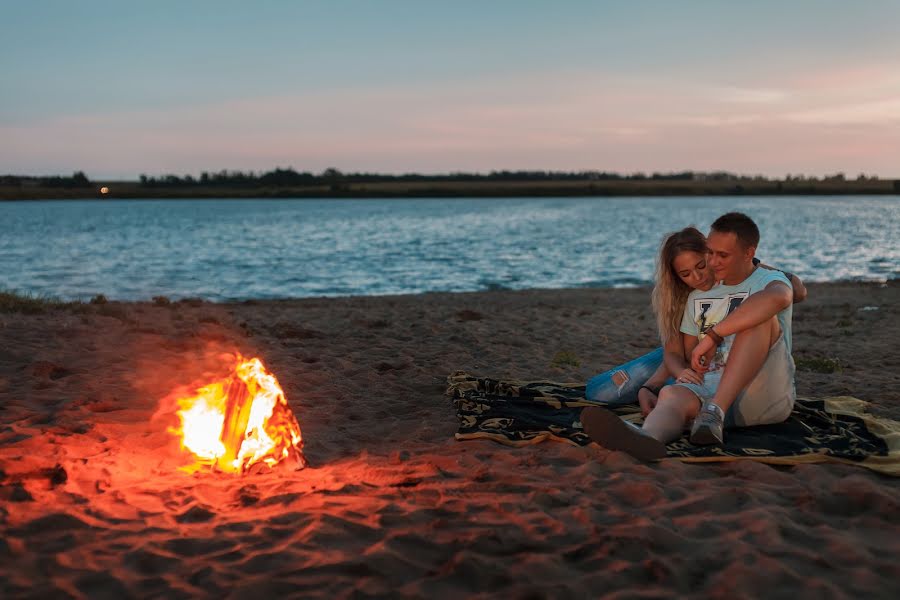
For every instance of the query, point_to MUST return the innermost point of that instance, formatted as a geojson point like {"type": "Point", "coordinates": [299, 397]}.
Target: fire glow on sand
{"type": "Point", "coordinates": [240, 421]}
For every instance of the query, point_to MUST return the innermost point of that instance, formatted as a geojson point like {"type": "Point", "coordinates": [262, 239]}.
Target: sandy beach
{"type": "Point", "coordinates": [93, 504]}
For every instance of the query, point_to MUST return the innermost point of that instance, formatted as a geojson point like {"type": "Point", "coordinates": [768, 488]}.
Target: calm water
{"type": "Point", "coordinates": [239, 249]}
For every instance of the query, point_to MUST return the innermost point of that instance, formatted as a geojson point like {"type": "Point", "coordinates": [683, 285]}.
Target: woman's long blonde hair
{"type": "Point", "coordinates": [670, 292]}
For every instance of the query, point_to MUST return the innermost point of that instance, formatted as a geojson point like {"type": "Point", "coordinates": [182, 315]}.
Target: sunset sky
{"type": "Point", "coordinates": [117, 89]}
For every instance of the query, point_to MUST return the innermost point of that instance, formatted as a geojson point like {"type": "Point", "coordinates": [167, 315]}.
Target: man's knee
{"type": "Point", "coordinates": [766, 333]}
{"type": "Point", "coordinates": [774, 331]}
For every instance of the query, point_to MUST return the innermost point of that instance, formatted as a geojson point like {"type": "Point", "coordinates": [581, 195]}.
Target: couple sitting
{"type": "Point", "coordinates": [725, 324]}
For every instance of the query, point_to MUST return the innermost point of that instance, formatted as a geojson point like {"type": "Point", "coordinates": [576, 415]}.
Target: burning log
{"type": "Point", "coordinates": [241, 421]}
{"type": "Point", "coordinates": [237, 414]}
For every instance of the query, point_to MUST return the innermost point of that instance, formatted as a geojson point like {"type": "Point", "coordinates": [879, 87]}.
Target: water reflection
{"type": "Point", "coordinates": [237, 249]}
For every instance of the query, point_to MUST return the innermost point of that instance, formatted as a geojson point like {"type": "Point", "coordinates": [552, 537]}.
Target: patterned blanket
{"type": "Point", "coordinates": [519, 413]}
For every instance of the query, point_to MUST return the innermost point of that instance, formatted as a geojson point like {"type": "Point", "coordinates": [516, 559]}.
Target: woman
{"type": "Point", "coordinates": [681, 267]}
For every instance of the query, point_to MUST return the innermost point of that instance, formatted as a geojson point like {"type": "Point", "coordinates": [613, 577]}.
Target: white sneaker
{"type": "Point", "coordinates": [708, 426]}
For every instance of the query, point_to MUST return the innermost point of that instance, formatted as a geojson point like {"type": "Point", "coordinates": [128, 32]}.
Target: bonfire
{"type": "Point", "coordinates": [240, 421]}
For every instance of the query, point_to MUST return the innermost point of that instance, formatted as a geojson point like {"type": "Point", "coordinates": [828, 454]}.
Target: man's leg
{"type": "Point", "coordinates": [747, 355]}
{"type": "Point", "coordinates": [746, 358]}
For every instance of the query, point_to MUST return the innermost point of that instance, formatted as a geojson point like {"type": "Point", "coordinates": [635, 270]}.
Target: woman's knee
{"type": "Point", "coordinates": [680, 398]}
{"type": "Point", "coordinates": [667, 393]}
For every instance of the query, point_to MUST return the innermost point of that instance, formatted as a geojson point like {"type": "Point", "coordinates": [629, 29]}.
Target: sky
{"type": "Point", "coordinates": [117, 89]}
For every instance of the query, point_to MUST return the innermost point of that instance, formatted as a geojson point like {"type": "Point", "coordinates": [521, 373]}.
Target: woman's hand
{"type": "Point", "coordinates": [689, 376]}
{"type": "Point", "coordinates": [647, 400]}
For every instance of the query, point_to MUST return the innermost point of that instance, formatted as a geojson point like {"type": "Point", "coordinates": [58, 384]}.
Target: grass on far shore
{"type": "Point", "coordinates": [12, 301]}
{"type": "Point", "coordinates": [31, 304]}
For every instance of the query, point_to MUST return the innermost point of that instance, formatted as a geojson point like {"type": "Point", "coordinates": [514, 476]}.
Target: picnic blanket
{"type": "Point", "coordinates": [518, 413]}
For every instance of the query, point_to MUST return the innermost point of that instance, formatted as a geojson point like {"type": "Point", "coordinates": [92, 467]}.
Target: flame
{"type": "Point", "coordinates": [241, 420]}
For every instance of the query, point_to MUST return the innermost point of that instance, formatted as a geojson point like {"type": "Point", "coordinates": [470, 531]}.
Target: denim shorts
{"type": "Point", "coordinates": [768, 399]}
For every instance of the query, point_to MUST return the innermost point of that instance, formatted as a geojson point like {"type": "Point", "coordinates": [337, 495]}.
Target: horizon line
{"type": "Point", "coordinates": [335, 172]}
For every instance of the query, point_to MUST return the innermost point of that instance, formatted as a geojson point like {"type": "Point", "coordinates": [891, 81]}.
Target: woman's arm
{"type": "Point", "coordinates": [674, 365]}
{"type": "Point", "coordinates": [674, 356]}
{"type": "Point", "coordinates": [796, 282]}
{"type": "Point", "coordinates": [673, 352]}
{"type": "Point", "coordinates": [647, 397]}
{"type": "Point", "coordinates": [658, 379]}
{"type": "Point", "coordinates": [799, 289]}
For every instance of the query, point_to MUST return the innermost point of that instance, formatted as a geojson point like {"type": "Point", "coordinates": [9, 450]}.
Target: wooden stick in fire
{"type": "Point", "coordinates": [234, 428]}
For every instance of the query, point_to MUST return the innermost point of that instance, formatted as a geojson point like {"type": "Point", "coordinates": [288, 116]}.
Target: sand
{"type": "Point", "coordinates": [92, 503]}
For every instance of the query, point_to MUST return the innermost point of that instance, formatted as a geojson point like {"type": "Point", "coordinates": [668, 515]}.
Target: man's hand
{"type": "Point", "coordinates": [647, 400]}
{"type": "Point", "coordinates": [689, 376]}
{"type": "Point", "coordinates": [703, 354]}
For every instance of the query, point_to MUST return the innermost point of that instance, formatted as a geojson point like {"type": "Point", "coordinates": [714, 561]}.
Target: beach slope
{"type": "Point", "coordinates": [93, 504]}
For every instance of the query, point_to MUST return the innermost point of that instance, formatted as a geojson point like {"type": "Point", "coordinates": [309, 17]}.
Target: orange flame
{"type": "Point", "coordinates": [240, 421]}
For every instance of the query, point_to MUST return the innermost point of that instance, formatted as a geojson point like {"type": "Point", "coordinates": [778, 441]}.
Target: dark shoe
{"type": "Point", "coordinates": [707, 427]}
{"type": "Point", "coordinates": [608, 430]}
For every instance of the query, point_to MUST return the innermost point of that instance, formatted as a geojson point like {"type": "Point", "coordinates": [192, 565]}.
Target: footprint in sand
{"type": "Point", "coordinates": [46, 369]}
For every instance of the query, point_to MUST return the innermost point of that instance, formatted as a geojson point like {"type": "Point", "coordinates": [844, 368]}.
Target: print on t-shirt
{"type": "Point", "coordinates": [709, 313]}
{"type": "Point", "coordinates": [707, 308]}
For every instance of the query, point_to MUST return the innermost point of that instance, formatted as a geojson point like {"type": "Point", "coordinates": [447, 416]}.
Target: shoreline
{"type": "Point", "coordinates": [392, 503]}
{"type": "Point", "coordinates": [165, 300]}
{"type": "Point", "coordinates": [123, 190]}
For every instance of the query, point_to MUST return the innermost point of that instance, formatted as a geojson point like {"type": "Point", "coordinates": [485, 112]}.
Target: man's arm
{"type": "Point", "coordinates": [796, 283]}
{"type": "Point", "coordinates": [757, 308]}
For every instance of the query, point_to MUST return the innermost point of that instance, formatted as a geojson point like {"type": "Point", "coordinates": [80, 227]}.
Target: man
{"type": "Point", "coordinates": [738, 336]}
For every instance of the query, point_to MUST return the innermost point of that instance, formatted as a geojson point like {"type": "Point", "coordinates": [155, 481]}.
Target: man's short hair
{"type": "Point", "coordinates": [740, 225]}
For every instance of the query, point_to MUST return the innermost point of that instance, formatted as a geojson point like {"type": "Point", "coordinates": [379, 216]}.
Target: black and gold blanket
{"type": "Point", "coordinates": [835, 429]}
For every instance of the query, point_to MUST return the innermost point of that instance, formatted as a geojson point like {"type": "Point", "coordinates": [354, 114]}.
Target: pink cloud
{"type": "Point", "coordinates": [560, 120]}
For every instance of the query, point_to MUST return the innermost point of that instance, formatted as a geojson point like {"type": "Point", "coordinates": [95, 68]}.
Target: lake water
{"type": "Point", "coordinates": [241, 249]}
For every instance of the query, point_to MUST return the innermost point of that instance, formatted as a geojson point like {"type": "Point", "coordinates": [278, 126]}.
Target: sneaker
{"type": "Point", "coordinates": [611, 432]}
{"type": "Point", "coordinates": [707, 427]}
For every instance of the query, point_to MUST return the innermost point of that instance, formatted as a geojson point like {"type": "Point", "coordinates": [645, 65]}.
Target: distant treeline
{"type": "Point", "coordinates": [78, 179]}
{"type": "Point", "coordinates": [332, 183]}
{"type": "Point", "coordinates": [335, 178]}
{"type": "Point", "coordinates": [331, 177]}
